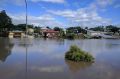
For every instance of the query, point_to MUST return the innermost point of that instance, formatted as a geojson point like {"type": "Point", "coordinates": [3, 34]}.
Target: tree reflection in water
{"type": "Point", "coordinates": [5, 48]}
{"type": "Point", "coordinates": [77, 66]}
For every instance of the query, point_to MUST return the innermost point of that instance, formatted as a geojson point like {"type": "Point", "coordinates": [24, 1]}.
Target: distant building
{"type": "Point", "coordinates": [49, 33]}
{"type": "Point", "coordinates": [30, 30]}
{"type": "Point", "coordinates": [64, 29]}
{"type": "Point", "coordinates": [44, 28]}
{"type": "Point", "coordinates": [94, 33]}
{"type": "Point", "coordinates": [106, 35]}
{"type": "Point", "coordinates": [13, 34]}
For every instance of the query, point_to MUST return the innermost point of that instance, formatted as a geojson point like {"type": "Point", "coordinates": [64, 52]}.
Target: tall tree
{"type": "Point", "coordinates": [5, 21]}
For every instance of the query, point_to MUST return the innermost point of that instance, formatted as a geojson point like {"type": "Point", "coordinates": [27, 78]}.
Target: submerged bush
{"type": "Point", "coordinates": [76, 54]}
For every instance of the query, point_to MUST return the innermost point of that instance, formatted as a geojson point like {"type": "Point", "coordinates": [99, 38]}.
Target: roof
{"type": "Point", "coordinates": [50, 31]}
{"type": "Point", "coordinates": [93, 31]}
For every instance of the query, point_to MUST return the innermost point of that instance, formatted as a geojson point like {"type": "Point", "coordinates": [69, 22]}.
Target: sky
{"type": "Point", "coordinates": [64, 13]}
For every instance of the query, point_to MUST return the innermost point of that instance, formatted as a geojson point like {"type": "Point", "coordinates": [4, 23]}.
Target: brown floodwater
{"type": "Point", "coordinates": [44, 59]}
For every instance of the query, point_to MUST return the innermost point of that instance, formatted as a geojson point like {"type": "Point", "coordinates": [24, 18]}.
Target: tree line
{"type": "Point", "coordinates": [7, 25]}
{"type": "Point", "coordinates": [108, 28]}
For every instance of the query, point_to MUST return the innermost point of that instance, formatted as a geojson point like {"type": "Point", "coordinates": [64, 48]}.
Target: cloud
{"type": "Point", "coordinates": [52, 1]}
{"type": "Point", "coordinates": [65, 13]}
{"type": "Point", "coordinates": [104, 3]}
{"type": "Point", "coordinates": [22, 2]}
{"type": "Point", "coordinates": [87, 16]}
{"type": "Point", "coordinates": [44, 20]}
{"type": "Point", "coordinates": [48, 69]}
{"type": "Point", "coordinates": [83, 16]}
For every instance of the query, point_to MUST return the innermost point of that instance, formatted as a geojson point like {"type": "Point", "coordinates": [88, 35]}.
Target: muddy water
{"type": "Point", "coordinates": [44, 59]}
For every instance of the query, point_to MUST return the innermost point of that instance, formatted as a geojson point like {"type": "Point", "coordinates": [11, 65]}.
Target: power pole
{"type": "Point", "coordinates": [26, 14]}
{"type": "Point", "coordinates": [26, 37]}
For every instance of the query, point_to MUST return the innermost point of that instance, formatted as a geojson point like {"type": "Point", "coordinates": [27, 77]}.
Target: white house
{"type": "Point", "coordinates": [94, 33]}
{"type": "Point", "coordinates": [30, 30]}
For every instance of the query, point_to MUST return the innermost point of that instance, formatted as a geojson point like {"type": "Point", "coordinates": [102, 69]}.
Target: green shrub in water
{"type": "Point", "coordinates": [76, 54]}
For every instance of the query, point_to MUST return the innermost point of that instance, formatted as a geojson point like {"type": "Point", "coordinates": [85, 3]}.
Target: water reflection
{"type": "Point", "coordinates": [77, 66]}
{"type": "Point", "coordinates": [113, 46]}
{"type": "Point", "coordinates": [48, 69]}
{"type": "Point", "coordinates": [44, 59]}
{"type": "Point", "coordinates": [25, 42]}
{"type": "Point", "coordinates": [5, 49]}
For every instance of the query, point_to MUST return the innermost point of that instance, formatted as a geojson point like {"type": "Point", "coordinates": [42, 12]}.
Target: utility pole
{"type": "Point", "coordinates": [26, 15]}
{"type": "Point", "coordinates": [26, 36]}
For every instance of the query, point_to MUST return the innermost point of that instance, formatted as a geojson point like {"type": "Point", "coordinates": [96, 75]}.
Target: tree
{"type": "Point", "coordinates": [37, 29]}
{"type": "Point", "coordinates": [61, 31]}
{"type": "Point", "coordinates": [112, 28]}
{"type": "Point", "coordinates": [77, 29]}
{"type": "Point", "coordinates": [5, 22]}
{"type": "Point", "coordinates": [57, 28]}
{"type": "Point", "coordinates": [99, 28]}
{"type": "Point", "coordinates": [22, 27]}
{"type": "Point", "coordinates": [86, 28]}
{"type": "Point", "coordinates": [48, 27]}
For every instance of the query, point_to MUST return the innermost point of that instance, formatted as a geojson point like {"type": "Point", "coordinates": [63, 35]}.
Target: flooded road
{"type": "Point", "coordinates": [44, 59]}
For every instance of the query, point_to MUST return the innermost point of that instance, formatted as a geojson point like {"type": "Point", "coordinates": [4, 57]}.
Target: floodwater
{"type": "Point", "coordinates": [44, 59]}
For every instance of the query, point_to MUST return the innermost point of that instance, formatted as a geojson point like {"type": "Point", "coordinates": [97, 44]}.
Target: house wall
{"type": "Point", "coordinates": [16, 34]}
{"type": "Point", "coordinates": [94, 33]}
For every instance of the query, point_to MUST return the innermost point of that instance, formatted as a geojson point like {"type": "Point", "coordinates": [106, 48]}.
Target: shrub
{"type": "Point", "coordinates": [76, 54]}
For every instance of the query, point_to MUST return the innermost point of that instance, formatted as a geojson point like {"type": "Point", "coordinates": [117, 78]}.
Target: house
{"type": "Point", "coordinates": [94, 33]}
{"type": "Point", "coordinates": [49, 33]}
{"type": "Point", "coordinates": [13, 34]}
{"type": "Point", "coordinates": [30, 30]}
